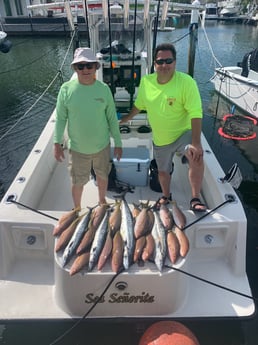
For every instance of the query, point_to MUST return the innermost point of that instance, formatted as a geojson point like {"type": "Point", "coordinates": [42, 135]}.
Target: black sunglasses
{"type": "Point", "coordinates": [81, 66]}
{"type": "Point", "coordinates": [168, 61]}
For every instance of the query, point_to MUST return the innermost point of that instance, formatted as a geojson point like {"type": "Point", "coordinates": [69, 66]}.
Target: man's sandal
{"type": "Point", "coordinates": [197, 206]}
{"type": "Point", "coordinates": [164, 200]}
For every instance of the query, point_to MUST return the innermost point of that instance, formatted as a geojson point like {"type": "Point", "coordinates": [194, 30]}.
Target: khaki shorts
{"type": "Point", "coordinates": [164, 154]}
{"type": "Point", "coordinates": [80, 165]}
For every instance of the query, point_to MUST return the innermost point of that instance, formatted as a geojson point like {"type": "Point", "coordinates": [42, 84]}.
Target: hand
{"type": "Point", "coordinates": [118, 151]}
{"type": "Point", "coordinates": [59, 152]}
{"type": "Point", "coordinates": [194, 152]}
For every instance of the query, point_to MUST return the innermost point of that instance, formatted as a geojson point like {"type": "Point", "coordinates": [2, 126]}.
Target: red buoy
{"type": "Point", "coordinates": [168, 333]}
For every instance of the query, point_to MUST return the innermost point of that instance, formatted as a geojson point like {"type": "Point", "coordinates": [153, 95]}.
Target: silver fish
{"type": "Point", "coordinates": [127, 233]}
{"type": "Point", "coordinates": [99, 241]}
{"type": "Point", "coordinates": [159, 235]}
{"type": "Point", "coordinates": [74, 242]}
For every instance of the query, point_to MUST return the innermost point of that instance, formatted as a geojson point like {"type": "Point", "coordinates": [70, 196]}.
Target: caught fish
{"type": "Point", "coordinates": [65, 220]}
{"type": "Point", "coordinates": [99, 240]}
{"type": "Point", "coordinates": [98, 214]}
{"type": "Point", "coordinates": [96, 218]}
{"type": "Point", "coordinates": [178, 215]}
{"type": "Point", "coordinates": [159, 235]}
{"type": "Point", "coordinates": [183, 241]}
{"type": "Point", "coordinates": [66, 235]}
{"type": "Point", "coordinates": [139, 245]}
{"type": "Point", "coordinates": [79, 263]}
{"type": "Point", "coordinates": [136, 210]}
{"type": "Point", "coordinates": [74, 242]}
{"type": "Point", "coordinates": [117, 253]}
{"type": "Point", "coordinates": [87, 239]}
{"type": "Point", "coordinates": [149, 247]}
{"type": "Point", "coordinates": [166, 216]}
{"type": "Point", "coordinates": [127, 230]}
{"type": "Point", "coordinates": [141, 226]}
{"type": "Point", "coordinates": [106, 251]}
{"type": "Point", "coordinates": [115, 219]}
{"type": "Point", "coordinates": [173, 246]}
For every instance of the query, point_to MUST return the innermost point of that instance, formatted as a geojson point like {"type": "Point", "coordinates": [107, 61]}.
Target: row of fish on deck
{"type": "Point", "coordinates": [115, 233]}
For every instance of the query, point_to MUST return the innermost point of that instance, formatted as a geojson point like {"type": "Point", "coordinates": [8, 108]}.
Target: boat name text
{"type": "Point", "coordinates": [115, 297]}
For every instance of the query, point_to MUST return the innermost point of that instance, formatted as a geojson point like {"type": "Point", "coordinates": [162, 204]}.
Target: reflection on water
{"type": "Point", "coordinates": [27, 70]}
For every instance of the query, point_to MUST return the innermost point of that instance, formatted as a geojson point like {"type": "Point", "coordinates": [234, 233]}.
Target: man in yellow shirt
{"type": "Point", "coordinates": [173, 104]}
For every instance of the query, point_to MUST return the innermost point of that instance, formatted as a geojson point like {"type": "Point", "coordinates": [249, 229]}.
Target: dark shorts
{"type": "Point", "coordinates": [164, 154]}
{"type": "Point", "coordinates": [80, 165]}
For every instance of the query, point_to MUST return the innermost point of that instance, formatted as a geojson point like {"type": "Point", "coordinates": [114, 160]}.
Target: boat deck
{"type": "Point", "coordinates": [34, 285]}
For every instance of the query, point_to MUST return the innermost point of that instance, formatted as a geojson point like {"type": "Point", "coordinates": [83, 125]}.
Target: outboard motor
{"type": "Point", "coordinates": [249, 62]}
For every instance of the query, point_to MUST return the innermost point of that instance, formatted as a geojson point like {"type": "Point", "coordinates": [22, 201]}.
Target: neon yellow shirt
{"type": "Point", "coordinates": [90, 114]}
{"type": "Point", "coordinates": [170, 107]}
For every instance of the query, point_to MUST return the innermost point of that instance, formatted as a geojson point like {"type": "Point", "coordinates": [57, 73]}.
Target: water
{"type": "Point", "coordinates": [27, 70]}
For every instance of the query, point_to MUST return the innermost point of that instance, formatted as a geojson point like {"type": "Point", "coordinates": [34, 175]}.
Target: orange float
{"type": "Point", "coordinates": [168, 333]}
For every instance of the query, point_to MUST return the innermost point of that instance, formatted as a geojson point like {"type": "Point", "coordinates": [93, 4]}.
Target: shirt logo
{"type": "Point", "coordinates": [170, 100]}
{"type": "Point", "coordinates": [101, 100]}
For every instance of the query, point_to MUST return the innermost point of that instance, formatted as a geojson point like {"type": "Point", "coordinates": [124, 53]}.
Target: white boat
{"type": "Point", "coordinates": [211, 10]}
{"type": "Point", "coordinates": [230, 8]}
{"type": "Point", "coordinates": [34, 284]}
{"type": "Point", "coordinates": [239, 84]}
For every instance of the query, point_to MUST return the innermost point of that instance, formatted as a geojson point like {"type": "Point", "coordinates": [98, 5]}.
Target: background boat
{"type": "Point", "coordinates": [239, 84]}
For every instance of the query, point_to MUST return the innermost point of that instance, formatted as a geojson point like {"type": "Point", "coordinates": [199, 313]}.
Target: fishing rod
{"type": "Point", "coordinates": [155, 35]}
{"type": "Point", "coordinates": [132, 88]}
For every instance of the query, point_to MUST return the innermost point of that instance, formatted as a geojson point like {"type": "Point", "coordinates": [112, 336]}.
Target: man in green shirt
{"type": "Point", "coordinates": [173, 104]}
{"type": "Point", "coordinates": [86, 106]}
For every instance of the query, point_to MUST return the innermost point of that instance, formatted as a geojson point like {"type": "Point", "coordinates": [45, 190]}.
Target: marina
{"type": "Point", "coordinates": [140, 120]}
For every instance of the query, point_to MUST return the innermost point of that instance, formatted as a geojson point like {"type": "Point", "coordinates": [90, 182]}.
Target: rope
{"type": "Point", "coordinates": [212, 283]}
{"type": "Point", "coordinates": [88, 312]}
{"type": "Point", "coordinates": [43, 93]}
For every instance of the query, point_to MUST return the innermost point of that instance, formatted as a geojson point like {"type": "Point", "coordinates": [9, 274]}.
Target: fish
{"type": "Point", "coordinates": [159, 235]}
{"type": "Point", "coordinates": [66, 235]}
{"type": "Point", "coordinates": [87, 239]}
{"type": "Point", "coordinates": [178, 215]}
{"type": "Point", "coordinates": [65, 220]}
{"type": "Point", "coordinates": [99, 240]}
{"type": "Point", "coordinates": [74, 242]}
{"type": "Point", "coordinates": [166, 216]}
{"type": "Point", "coordinates": [115, 218]}
{"type": "Point", "coordinates": [96, 218]}
{"type": "Point", "coordinates": [127, 233]}
{"type": "Point", "coordinates": [136, 210]}
{"type": "Point", "coordinates": [139, 245]}
{"type": "Point", "coordinates": [79, 263]}
{"type": "Point", "coordinates": [149, 247]}
{"type": "Point", "coordinates": [183, 241]}
{"type": "Point", "coordinates": [117, 253]}
{"type": "Point", "coordinates": [173, 246]}
{"type": "Point", "coordinates": [106, 251]}
{"type": "Point", "coordinates": [141, 226]}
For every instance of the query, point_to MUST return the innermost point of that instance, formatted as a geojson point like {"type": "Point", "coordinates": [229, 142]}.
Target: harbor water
{"type": "Point", "coordinates": [27, 98]}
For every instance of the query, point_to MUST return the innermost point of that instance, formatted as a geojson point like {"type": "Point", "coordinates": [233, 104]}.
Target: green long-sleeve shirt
{"type": "Point", "coordinates": [90, 115]}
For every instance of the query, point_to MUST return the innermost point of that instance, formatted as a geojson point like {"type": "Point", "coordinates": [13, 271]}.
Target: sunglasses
{"type": "Point", "coordinates": [168, 61]}
{"type": "Point", "coordinates": [81, 66]}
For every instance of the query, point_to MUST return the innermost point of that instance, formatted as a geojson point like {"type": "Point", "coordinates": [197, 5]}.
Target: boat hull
{"type": "Point", "coordinates": [35, 286]}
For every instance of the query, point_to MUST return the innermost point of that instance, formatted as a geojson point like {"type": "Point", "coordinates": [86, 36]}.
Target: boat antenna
{"type": "Point", "coordinates": [132, 84]}
{"type": "Point", "coordinates": [110, 51]}
{"type": "Point", "coordinates": [86, 20]}
{"type": "Point", "coordinates": [156, 22]}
